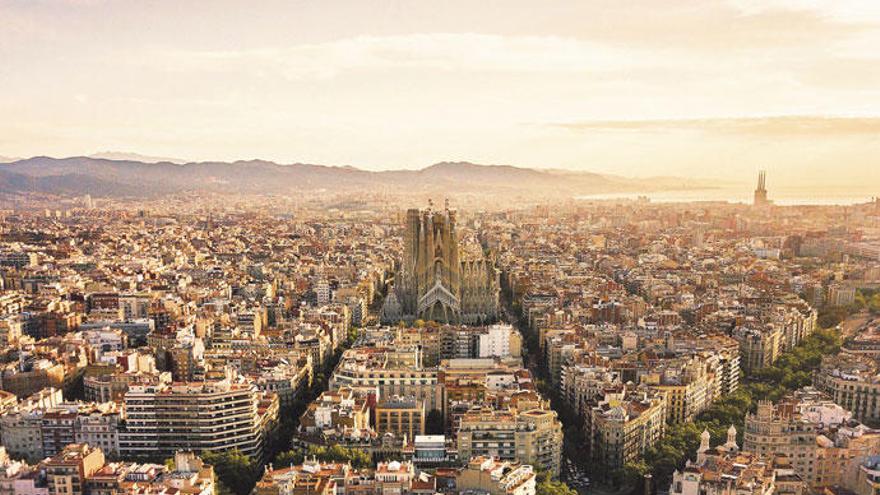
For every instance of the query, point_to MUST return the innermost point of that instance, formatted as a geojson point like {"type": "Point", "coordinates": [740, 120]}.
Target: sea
{"type": "Point", "coordinates": [842, 196]}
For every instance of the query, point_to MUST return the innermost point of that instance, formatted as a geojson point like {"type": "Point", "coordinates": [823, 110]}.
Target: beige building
{"type": "Point", "coordinates": [688, 384]}
{"type": "Point", "coordinates": [495, 477]}
{"type": "Point", "coordinates": [759, 347]}
{"type": "Point", "coordinates": [340, 409]}
{"type": "Point", "coordinates": [724, 470]}
{"type": "Point", "coordinates": [530, 437]}
{"type": "Point", "coordinates": [853, 382]}
{"type": "Point", "coordinates": [771, 431]}
{"type": "Point", "coordinates": [22, 434]}
{"type": "Point", "coordinates": [68, 471]}
{"type": "Point", "coordinates": [824, 445]}
{"type": "Point", "coordinates": [401, 416]}
{"type": "Point", "coordinates": [390, 371]}
{"type": "Point", "coordinates": [583, 385]}
{"type": "Point", "coordinates": [624, 425]}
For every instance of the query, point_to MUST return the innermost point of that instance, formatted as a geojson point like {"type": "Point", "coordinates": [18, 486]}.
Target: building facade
{"type": "Point", "coordinates": [436, 283]}
{"type": "Point", "coordinates": [217, 415]}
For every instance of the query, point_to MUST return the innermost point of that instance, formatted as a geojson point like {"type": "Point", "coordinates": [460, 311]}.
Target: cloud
{"type": "Point", "coordinates": [705, 26]}
{"type": "Point", "coordinates": [842, 73]}
{"type": "Point", "coordinates": [439, 51]}
{"type": "Point", "coordinates": [780, 125]}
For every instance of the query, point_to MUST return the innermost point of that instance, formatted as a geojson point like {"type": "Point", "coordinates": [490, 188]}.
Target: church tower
{"type": "Point", "coordinates": [761, 190]}
{"type": "Point", "coordinates": [433, 283]}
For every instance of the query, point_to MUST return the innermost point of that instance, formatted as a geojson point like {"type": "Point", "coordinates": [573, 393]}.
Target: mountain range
{"type": "Point", "coordinates": [127, 177]}
{"type": "Point", "coordinates": [135, 157]}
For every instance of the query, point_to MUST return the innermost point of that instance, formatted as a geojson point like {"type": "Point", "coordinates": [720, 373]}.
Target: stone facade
{"type": "Point", "coordinates": [435, 283]}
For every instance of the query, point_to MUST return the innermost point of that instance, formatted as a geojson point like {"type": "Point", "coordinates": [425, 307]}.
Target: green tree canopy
{"type": "Point", "coordinates": [234, 469]}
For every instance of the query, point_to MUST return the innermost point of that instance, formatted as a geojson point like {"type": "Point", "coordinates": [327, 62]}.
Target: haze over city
{"type": "Point", "coordinates": [712, 89]}
{"type": "Point", "coordinates": [383, 247]}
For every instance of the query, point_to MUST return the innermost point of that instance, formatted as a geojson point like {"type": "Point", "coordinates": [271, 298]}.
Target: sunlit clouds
{"type": "Point", "coordinates": [702, 87]}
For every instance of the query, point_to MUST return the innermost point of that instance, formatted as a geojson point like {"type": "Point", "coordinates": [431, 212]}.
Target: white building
{"type": "Point", "coordinates": [496, 341]}
{"type": "Point", "coordinates": [322, 292]}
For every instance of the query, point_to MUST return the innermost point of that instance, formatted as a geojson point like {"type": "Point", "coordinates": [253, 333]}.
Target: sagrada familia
{"type": "Point", "coordinates": [434, 283]}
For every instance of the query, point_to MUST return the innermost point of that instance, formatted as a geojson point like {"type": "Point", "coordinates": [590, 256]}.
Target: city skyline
{"type": "Point", "coordinates": [386, 247]}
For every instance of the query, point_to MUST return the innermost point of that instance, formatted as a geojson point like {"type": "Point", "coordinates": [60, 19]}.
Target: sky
{"type": "Point", "coordinates": [704, 88]}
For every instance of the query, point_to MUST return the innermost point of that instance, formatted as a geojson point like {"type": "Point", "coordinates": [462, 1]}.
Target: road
{"type": "Point", "coordinates": [572, 472]}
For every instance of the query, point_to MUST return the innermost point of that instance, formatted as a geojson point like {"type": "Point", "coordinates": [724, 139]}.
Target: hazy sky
{"type": "Point", "coordinates": [715, 88]}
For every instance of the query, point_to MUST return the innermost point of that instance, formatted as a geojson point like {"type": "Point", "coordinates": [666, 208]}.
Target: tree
{"type": "Point", "coordinates": [235, 470]}
{"type": "Point", "coordinates": [289, 458]}
{"type": "Point", "coordinates": [353, 334]}
{"type": "Point", "coordinates": [220, 488]}
{"type": "Point", "coordinates": [630, 475]}
{"type": "Point", "coordinates": [874, 304]}
{"type": "Point", "coordinates": [831, 316]}
{"type": "Point", "coordinates": [337, 453]}
{"type": "Point", "coordinates": [548, 486]}
{"type": "Point", "coordinates": [319, 383]}
{"type": "Point", "coordinates": [791, 371]}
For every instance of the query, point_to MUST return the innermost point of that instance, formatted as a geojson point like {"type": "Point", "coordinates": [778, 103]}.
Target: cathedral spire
{"type": "Point", "coordinates": [761, 190]}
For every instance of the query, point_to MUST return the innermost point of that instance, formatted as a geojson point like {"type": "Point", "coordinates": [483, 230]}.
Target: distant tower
{"type": "Point", "coordinates": [761, 190]}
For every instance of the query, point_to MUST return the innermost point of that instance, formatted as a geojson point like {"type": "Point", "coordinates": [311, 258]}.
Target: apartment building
{"type": "Point", "coordinates": [759, 347]}
{"type": "Point", "coordinates": [98, 426]}
{"type": "Point", "coordinates": [345, 408]}
{"type": "Point", "coordinates": [688, 384]}
{"type": "Point", "coordinates": [22, 434]}
{"type": "Point", "coordinates": [853, 382]}
{"type": "Point", "coordinates": [771, 431]}
{"type": "Point", "coordinates": [530, 437]}
{"type": "Point", "coordinates": [392, 372]}
{"type": "Point", "coordinates": [401, 416]}
{"type": "Point", "coordinates": [583, 385]}
{"type": "Point", "coordinates": [210, 415]}
{"type": "Point", "coordinates": [500, 341]}
{"type": "Point", "coordinates": [496, 477]}
{"type": "Point", "coordinates": [67, 471]}
{"type": "Point", "coordinates": [624, 425]}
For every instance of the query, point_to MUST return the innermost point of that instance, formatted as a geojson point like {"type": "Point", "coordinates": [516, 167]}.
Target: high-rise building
{"type": "Point", "coordinates": [215, 415]}
{"type": "Point", "coordinates": [435, 281]}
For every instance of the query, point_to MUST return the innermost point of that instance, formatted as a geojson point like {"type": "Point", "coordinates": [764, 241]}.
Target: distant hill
{"type": "Point", "coordinates": [121, 155]}
{"type": "Point", "coordinates": [107, 177]}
